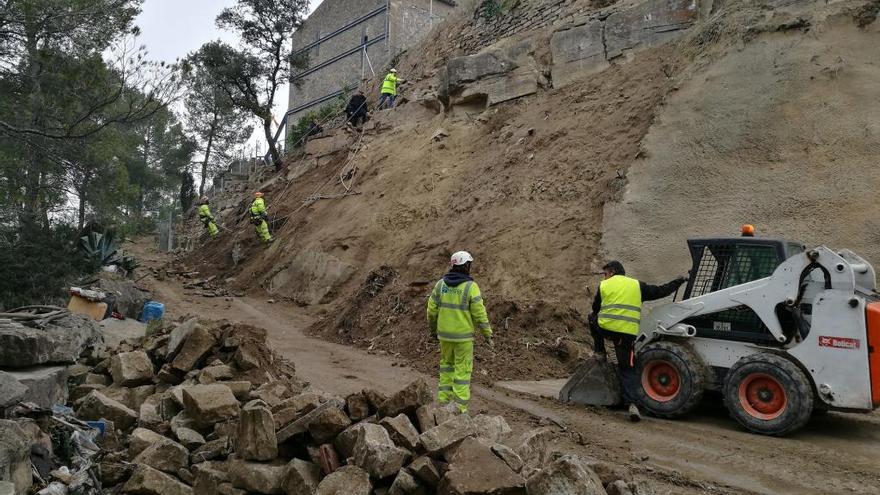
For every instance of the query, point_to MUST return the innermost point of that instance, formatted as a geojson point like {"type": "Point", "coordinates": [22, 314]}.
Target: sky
{"type": "Point", "coordinates": [171, 29]}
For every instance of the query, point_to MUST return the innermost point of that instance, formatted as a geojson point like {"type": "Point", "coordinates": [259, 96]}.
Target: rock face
{"type": "Point", "coordinates": [61, 342]}
{"type": "Point", "coordinates": [96, 406]}
{"type": "Point", "coordinates": [407, 400]}
{"type": "Point", "coordinates": [377, 454]}
{"type": "Point", "coordinates": [492, 76]}
{"type": "Point", "coordinates": [311, 275]}
{"type": "Point", "coordinates": [15, 460]}
{"type": "Point", "coordinates": [148, 481]}
{"type": "Point", "coordinates": [567, 475]}
{"type": "Point", "coordinates": [473, 468]}
{"type": "Point", "coordinates": [256, 433]}
{"type": "Point", "coordinates": [131, 368]}
{"type": "Point", "coordinates": [347, 480]}
{"type": "Point", "coordinates": [46, 385]}
{"type": "Point", "coordinates": [445, 435]}
{"type": "Point", "coordinates": [256, 477]}
{"type": "Point", "coordinates": [209, 404]}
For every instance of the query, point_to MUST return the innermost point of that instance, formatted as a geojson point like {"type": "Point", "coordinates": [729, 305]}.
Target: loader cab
{"type": "Point", "coordinates": [720, 263]}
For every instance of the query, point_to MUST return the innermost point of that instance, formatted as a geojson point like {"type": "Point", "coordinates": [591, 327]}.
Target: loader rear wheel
{"type": "Point", "coordinates": [672, 379]}
{"type": "Point", "coordinates": [768, 394]}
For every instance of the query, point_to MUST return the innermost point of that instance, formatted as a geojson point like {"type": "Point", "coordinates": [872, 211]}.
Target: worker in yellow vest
{"type": "Point", "coordinates": [389, 90]}
{"type": "Point", "coordinates": [259, 218]}
{"type": "Point", "coordinates": [206, 217]}
{"type": "Point", "coordinates": [617, 310]}
{"type": "Point", "coordinates": [455, 311]}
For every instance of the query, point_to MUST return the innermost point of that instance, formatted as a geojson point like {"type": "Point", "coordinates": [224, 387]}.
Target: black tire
{"type": "Point", "coordinates": [768, 394]}
{"type": "Point", "coordinates": [672, 379]}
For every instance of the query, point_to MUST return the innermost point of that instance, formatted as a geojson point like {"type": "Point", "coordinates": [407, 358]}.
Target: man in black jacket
{"type": "Point", "coordinates": [616, 316]}
{"type": "Point", "coordinates": [356, 110]}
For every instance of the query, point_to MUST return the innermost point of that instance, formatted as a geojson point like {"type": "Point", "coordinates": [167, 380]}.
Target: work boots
{"type": "Point", "coordinates": [634, 414]}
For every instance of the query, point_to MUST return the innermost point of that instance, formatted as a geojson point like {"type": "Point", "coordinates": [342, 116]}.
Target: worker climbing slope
{"type": "Point", "coordinates": [388, 92]}
{"type": "Point", "coordinates": [206, 217]}
{"type": "Point", "coordinates": [455, 311]}
{"type": "Point", "coordinates": [259, 218]}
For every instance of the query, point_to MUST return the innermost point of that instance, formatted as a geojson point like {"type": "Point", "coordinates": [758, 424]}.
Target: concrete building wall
{"type": "Point", "coordinates": [333, 37]}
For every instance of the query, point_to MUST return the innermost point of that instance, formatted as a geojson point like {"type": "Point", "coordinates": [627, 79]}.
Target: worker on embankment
{"type": "Point", "coordinates": [206, 217]}
{"type": "Point", "coordinates": [260, 218]}
{"type": "Point", "coordinates": [616, 315]}
{"type": "Point", "coordinates": [389, 90]}
{"type": "Point", "coordinates": [455, 311]}
{"type": "Point", "coordinates": [356, 110]}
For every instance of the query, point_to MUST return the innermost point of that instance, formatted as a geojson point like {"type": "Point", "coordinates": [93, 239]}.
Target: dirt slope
{"type": "Point", "coordinates": [762, 112]}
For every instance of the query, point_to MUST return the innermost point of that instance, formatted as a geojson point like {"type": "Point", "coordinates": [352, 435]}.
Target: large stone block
{"type": "Point", "coordinates": [473, 468]}
{"type": "Point", "coordinates": [178, 336]}
{"type": "Point", "coordinates": [492, 428]}
{"type": "Point", "coordinates": [347, 480]}
{"type": "Point", "coordinates": [140, 439]}
{"type": "Point", "coordinates": [15, 460]}
{"type": "Point", "coordinates": [346, 440]}
{"type": "Point", "coordinates": [61, 342]}
{"type": "Point", "coordinates": [96, 406]}
{"type": "Point", "coordinates": [447, 434]}
{"type": "Point", "coordinates": [407, 400]}
{"type": "Point", "coordinates": [209, 404]}
{"type": "Point", "coordinates": [165, 455]}
{"type": "Point", "coordinates": [257, 477]}
{"type": "Point", "coordinates": [405, 483]}
{"type": "Point", "coordinates": [377, 454]}
{"type": "Point", "coordinates": [197, 345]}
{"type": "Point", "coordinates": [301, 478]}
{"type": "Point", "coordinates": [256, 433]}
{"type": "Point", "coordinates": [302, 424]}
{"type": "Point", "coordinates": [329, 423]}
{"type": "Point", "coordinates": [46, 385]}
{"type": "Point", "coordinates": [567, 475]}
{"type": "Point", "coordinates": [148, 481]}
{"type": "Point", "coordinates": [402, 431]}
{"type": "Point", "coordinates": [648, 23]}
{"type": "Point", "coordinates": [131, 368]}
{"type": "Point", "coordinates": [12, 391]}
{"type": "Point", "coordinates": [467, 69]}
{"type": "Point", "coordinates": [578, 51]}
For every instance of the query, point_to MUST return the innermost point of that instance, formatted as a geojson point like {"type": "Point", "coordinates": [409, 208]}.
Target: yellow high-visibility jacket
{"type": "Point", "coordinates": [258, 207]}
{"type": "Point", "coordinates": [205, 214]}
{"type": "Point", "coordinates": [389, 85]}
{"type": "Point", "coordinates": [455, 311]}
{"type": "Point", "coordinates": [621, 309]}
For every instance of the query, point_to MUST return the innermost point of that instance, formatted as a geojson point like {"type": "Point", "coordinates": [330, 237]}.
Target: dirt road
{"type": "Point", "coordinates": [707, 453]}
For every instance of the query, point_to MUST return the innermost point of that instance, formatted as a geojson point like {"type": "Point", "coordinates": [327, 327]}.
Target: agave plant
{"type": "Point", "coordinates": [99, 249]}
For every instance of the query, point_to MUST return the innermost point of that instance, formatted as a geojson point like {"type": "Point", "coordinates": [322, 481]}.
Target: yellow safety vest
{"type": "Point", "coordinates": [389, 85]}
{"type": "Point", "coordinates": [621, 309]}
{"type": "Point", "coordinates": [455, 312]}
{"type": "Point", "coordinates": [258, 207]}
{"type": "Point", "coordinates": [205, 213]}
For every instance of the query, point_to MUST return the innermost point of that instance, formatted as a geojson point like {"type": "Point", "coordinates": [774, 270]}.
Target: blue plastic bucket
{"type": "Point", "coordinates": [153, 310]}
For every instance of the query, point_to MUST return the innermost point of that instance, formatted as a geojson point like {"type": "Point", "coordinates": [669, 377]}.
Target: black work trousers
{"type": "Point", "coordinates": [624, 349]}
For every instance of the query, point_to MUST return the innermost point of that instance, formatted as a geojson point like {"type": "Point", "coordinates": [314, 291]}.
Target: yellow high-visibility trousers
{"type": "Point", "coordinates": [212, 228]}
{"type": "Point", "coordinates": [456, 366]}
{"type": "Point", "coordinates": [262, 229]}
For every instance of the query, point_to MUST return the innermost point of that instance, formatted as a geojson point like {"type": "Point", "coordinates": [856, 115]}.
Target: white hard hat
{"type": "Point", "coordinates": [460, 258]}
{"type": "Point", "coordinates": [394, 70]}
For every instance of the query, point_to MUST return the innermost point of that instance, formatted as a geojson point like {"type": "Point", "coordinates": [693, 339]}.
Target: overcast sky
{"type": "Point", "coordinates": [173, 28]}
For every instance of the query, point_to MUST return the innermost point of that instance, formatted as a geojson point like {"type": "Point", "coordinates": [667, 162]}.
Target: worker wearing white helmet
{"type": "Point", "coordinates": [455, 312]}
{"type": "Point", "coordinates": [389, 90]}
{"type": "Point", "coordinates": [206, 217]}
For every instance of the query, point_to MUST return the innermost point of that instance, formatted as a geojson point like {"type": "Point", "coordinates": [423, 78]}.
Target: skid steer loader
{"type": "Point", "coordinates": [779, 330]}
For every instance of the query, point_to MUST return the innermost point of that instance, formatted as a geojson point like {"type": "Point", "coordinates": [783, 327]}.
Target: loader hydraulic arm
{"type": "Point", "coordinates": [842, 271]}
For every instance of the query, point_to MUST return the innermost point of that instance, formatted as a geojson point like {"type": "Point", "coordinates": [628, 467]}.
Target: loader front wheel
{"type": "Point", "coordinates": [672, 379]}
{"type": "Point", "coordinates": [768, 394]}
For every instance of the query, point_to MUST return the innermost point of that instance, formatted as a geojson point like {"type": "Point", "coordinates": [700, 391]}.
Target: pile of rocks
{"type": "Point", "coordinates": [206, 408]}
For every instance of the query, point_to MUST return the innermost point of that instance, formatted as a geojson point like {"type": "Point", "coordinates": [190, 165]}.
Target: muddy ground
{"type": "Point", "coordinates": [706, 453]}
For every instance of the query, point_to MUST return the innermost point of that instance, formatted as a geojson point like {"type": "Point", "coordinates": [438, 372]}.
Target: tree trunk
{"type": "Point", "coordinates": [273, 148]}
{"type": "Point", "coordinates": [81, 213]}
{"type": "Point", "coordinates": [207, 156]}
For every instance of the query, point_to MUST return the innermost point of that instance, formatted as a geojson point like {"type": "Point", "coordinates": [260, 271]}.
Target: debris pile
{"type": "Point", "coordinates": [205, 408]}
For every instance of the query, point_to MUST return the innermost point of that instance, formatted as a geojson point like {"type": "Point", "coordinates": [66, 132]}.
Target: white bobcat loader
{"type": "Point", "coordinates": [781, 331]}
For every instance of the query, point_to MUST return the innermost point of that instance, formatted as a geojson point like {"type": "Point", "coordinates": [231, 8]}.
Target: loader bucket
{"type": "Point", "coordinates": [594, 383]}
